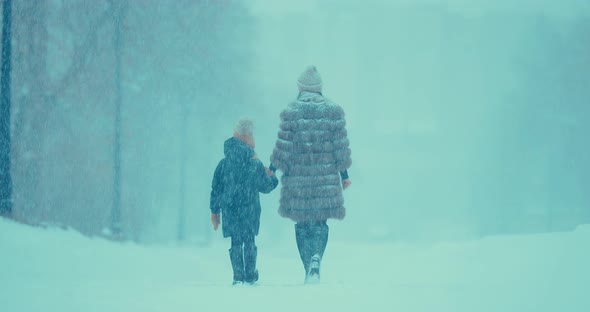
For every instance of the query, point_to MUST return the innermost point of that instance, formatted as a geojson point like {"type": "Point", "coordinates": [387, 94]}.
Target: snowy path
{"type": "Point", "coordinates": [55, 270]}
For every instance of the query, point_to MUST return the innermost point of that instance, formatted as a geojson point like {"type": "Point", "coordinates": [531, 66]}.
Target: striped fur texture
{"type": "Point", "coordinates": [311, 149]}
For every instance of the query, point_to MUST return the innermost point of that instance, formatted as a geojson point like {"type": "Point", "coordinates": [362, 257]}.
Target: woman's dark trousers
{"type": "Point", "coordinates": [312, 238]}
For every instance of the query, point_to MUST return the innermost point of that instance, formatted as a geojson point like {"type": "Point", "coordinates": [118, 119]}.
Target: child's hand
{"type": "Point", "coordinates": [346, 183]}
{"type": "Point", "coordinates": [215, 221]}
{"type": "Point", "coordinates": [269, 172]}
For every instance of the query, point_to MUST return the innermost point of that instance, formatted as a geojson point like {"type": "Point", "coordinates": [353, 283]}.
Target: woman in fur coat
{"type": "Point", "coordinates": [312, 151]}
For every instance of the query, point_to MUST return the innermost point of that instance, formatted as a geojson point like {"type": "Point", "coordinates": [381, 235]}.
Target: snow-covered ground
{"type": "Point", "coordinates": [57, 270]}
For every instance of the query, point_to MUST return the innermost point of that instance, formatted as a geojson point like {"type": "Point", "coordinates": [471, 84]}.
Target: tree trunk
{"type": "Point", "coordinates": [183, 152]}
{"type": "Point", "coordinates": [116, 224]}
{"type": "Point", "coordinates": [5, 174]}
{"type": "Point", "coordinates": [30, 110]}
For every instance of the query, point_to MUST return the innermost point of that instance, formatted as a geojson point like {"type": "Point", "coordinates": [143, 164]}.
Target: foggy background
{"type": "Point", "coordinates": [466, 118]}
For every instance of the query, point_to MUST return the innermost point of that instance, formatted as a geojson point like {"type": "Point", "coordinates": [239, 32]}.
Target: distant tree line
{"type": "Point", "coordinates": [108, 100]}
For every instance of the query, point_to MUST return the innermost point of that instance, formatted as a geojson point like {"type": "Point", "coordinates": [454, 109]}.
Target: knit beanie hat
{"type": "Point", "coordinates": [310, 80]}
{"type": "Point", "coordinates": [244, 126]}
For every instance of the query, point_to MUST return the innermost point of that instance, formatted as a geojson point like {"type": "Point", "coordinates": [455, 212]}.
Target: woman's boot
{"type": "Point", "coordinates": [303, 244]}
{"type": "Point", "coordinates": [319, 241]}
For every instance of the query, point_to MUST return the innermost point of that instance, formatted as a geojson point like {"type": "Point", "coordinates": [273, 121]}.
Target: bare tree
{"type": "Point", "coordinates": [119, 16]}
{"type": "Point", "coordinates": [30, 109]}
{"type": "Point", "coordinates": [5, 177]}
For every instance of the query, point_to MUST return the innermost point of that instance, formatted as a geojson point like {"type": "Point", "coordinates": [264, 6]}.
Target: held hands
{"type": "Point", "coordinates": [215, 221]}
{"type": "Point", "coordinates": [346, 183]}
{"type": "Point", "coordinates": [269, 172]}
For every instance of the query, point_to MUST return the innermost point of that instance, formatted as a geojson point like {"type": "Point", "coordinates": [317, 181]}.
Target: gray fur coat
{"type": "Point", "coordinates": [311, 150]}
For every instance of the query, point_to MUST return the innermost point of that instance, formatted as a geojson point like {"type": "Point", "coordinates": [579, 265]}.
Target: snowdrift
{"type": "Point", "coordinates": [61, 270]}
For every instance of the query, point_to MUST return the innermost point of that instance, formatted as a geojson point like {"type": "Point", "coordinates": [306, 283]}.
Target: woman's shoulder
{"type": "Point", "coordinates": [316, 106]}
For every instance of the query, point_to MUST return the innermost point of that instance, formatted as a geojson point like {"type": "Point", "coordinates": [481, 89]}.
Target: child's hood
{"type": "Point", "coordinates": [235, 149]}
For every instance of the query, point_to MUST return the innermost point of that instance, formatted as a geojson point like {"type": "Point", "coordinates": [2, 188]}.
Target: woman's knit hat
{"type": "Point", "coordinates": [310, 80]}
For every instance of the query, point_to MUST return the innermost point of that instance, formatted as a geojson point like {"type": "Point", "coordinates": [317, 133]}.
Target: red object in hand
{"type": "Point", "coordinates": [215, 221]}
{"type": "Point", "coordinates": [346, 183]}
{"type": "Point", "coordinates": [269, 172]}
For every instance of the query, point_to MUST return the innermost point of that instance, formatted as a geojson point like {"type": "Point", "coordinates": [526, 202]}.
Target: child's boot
{"type": "Point", "coordinates": [250, 254]}
{"type": "Point", "coordinates": [236, 255]}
